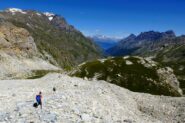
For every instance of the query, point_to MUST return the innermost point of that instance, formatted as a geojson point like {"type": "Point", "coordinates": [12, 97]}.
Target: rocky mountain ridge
{"type": "Point", "coordinates": [136, 44]}
{"type": "Point", "coordinates": [54, 36]}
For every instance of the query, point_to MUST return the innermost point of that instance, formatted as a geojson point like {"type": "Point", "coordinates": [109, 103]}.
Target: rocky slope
{"type": "Point", "coordinates": [78, 100]}
{"type": "Point", "coordinates": [19, 55]}
{"type": "Point", "coordinates": [54, 36]}
{"type": "Point", "coordinates": [135, 73]}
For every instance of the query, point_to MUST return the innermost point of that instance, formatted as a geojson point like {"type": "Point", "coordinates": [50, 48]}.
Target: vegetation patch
{"type": "Point", "coordinates": [136, 77]}
{"type": "Point", "coordinates": [40, 73]}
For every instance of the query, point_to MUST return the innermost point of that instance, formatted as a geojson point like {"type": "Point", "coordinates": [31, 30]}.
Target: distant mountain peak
{"type": "Point", "coordinates": [103, 41]}
{"type": "Point", "coordinates": [170, 33]}
{"type": "Point", "coordinates": [132, 36]}
{"type": "Point", "coordinates": [150, 35]}
{"type": "Point", "coordinates": [151, 32]}
{"type": "Point", "coordinates": [135, 44]}
{"type": "Point", "coordinates": [104, 37]}
{"type": "Point", "coordinates": [155, 35]}
{"type": "Point", "coordinates": [100, 36]}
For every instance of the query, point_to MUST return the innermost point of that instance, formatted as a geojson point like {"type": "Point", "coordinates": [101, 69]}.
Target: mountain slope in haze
{"type": "Point", "coordinates": [53, 36]}
{"type": "Point", "coordinates": [135, 73]}
{"type": "Point", "coordinates": [136, 44]}
{"type": "Point", "coordinates": [121, 48]}
{"type": "Point", "coordinates": [104, 42]}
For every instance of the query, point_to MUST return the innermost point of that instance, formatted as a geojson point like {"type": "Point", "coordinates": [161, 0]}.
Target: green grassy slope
{"type": "Point", "coordinates": [135, 76]}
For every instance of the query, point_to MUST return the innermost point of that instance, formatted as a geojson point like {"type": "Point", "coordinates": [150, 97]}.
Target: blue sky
{"type": "Point", "coordinates": [116, 18]}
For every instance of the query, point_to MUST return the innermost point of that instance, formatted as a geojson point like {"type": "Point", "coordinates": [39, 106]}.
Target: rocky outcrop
{"type": "Point", "coordinates": [78, 100]}
{"type": "Point", "coordinates": [60, 22]}
{"type": "Point", "coordinates": [16, 41]}
{"type": "Point", "coordinates": [19, 55]}
{"type": "Point", "coordinates": [135, 73]}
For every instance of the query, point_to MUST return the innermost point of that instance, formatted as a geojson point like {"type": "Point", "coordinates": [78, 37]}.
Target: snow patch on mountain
{"type": "Point", "coordinates": [104, 38]}
{"type": "Point", "coordinates": [49, 15]}
{"type": "Point", "coordinates": [38, 14]}
{"type": "Point", "coordinates": [14, 10]}
{"type": "Point", "coordinates": [50, 18]}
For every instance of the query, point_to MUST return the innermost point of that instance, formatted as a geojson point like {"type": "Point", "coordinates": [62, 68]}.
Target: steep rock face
{"type": "Point", "coordinates": [19, 56]}
{"type": "Point", "coordinates": [135, 73]}
{"type": "Point", "coordinates": [60, 22]}
{"type": "Point", "coordinates": [78, 100]}
{"type": "Point", "coordinates": [54, 36]}
{"type": "Point", "coordinates": [14, 39]}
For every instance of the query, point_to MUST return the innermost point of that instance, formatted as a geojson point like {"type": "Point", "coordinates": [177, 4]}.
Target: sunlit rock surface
{"type": "Point", "coordinates": [80, 101]}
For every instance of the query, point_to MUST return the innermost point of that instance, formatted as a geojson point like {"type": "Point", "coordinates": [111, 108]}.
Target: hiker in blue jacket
{"type": "Point", "coordinates": [39, 99]}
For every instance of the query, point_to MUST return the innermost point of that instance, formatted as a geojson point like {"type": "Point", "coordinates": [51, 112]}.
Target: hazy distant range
{"type": "Point", "coordinates": [104, 42]}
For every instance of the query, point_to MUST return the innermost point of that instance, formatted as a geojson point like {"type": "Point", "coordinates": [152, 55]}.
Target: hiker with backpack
{"type": "Point", "coordinates": [39, 100]}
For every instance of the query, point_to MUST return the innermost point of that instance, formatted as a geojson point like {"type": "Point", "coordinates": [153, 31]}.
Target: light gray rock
{"type": "Point", "coordinates": [85, 103]}
{"type": "Point", "coordinates": [86, 117]}
{"type": "Point", "coordinates": [168, 77]}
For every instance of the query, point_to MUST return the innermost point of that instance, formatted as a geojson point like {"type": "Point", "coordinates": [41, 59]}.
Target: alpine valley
{"type": "Point", "coordinates": [140, 79]}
